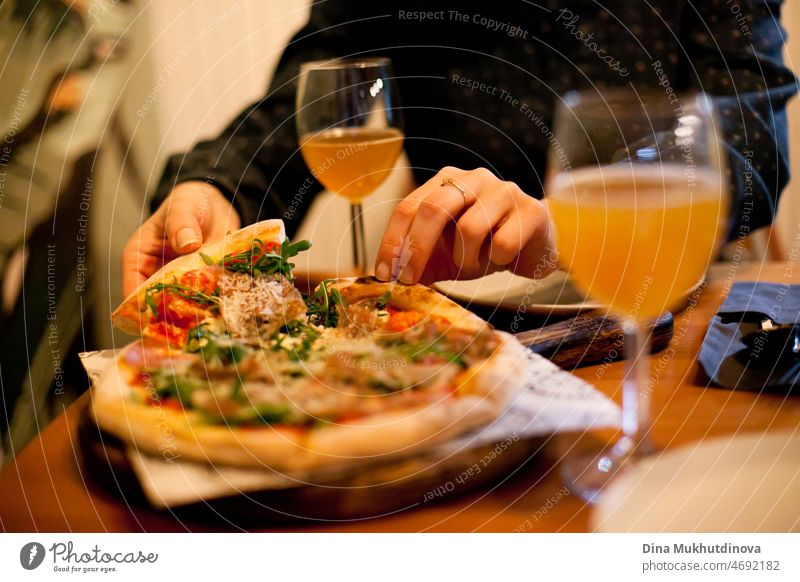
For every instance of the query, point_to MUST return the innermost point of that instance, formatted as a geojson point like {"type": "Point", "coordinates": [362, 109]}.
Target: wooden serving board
{"type": "Point", "coordinates": [374, 492]}
{"type": "Point", "coordinates": [384, 488]}
{"type": "Point", "coordinates": [590, 339]}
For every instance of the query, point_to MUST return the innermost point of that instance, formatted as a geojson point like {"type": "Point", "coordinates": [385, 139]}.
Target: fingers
{"type": "Point", "coordinates": [538, 257]}
{"type": "Point", "coordinates": [215, 214]}
{"type": "Point", "coordinates": [131, 276]}
{"type": "Point", "coordinates": [136, 268]}
{"type": "Point", "coordinates": [433, 213]}
{"type": "Point", "coordinates": [143, 255]}
{"type": "Point", "coordinates": [522, 224]}
{"type": "Point", "coordinates": [389, 251]}
{"type": "Point", "coordinates": [182, 223]}
{"type": "Point", "coordinates": [477, 223]}
{"type": "Point", "coordinates": [194, 213]}
{"type": "Point", "coordinates": [496, 223]}
{"type": "Point", "coordinates": [420, 219]}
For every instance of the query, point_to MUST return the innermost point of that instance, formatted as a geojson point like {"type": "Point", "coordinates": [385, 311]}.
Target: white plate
{"type": "Point", "coordinates": [741, 484]}
{"type": "Point", "coordinates": [554, 294]}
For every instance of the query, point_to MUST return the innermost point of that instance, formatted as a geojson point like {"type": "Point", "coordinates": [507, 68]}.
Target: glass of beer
{"type": "Point", "coordinates": [350, 130]}
{"type": "Point", "coordinates": [637, 191]}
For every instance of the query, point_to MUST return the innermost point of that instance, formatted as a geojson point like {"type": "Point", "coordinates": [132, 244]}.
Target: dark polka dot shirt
{"type": "Point", "coordinates": [532, 52]}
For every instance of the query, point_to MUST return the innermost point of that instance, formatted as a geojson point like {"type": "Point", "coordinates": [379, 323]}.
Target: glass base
{"type": "Point", "coordinates": [588, 474]}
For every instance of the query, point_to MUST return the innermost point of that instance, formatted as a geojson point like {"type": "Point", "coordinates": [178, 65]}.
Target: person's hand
{"type": "Point", "coordinates": [194, 213]}
{"type": "Point", "coordinates": [491, 226]}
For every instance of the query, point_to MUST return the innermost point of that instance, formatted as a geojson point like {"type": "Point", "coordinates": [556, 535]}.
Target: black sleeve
{"type": "Point", "coordinates": [255, 162]}
{"type": "Point", "coordinates": [736, 50]}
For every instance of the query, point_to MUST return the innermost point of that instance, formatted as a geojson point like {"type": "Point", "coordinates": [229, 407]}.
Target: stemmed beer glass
{"type": "Point", "coordinates": [637, 192]}
{"type": "Point", "coordinates": [350, 129]}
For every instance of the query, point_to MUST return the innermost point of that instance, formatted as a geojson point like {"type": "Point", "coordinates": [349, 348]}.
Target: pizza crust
{"type": "Point", "coordinates": [181, 434]}
{"type": "Point", "coordinates": [133, 316]}
{"type": "Point", "coordinates": [398, 432]}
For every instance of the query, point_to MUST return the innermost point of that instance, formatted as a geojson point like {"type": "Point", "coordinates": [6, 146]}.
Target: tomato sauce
{"type": "Point", "coordinates": [402, 320]}
{"type": "Point", "coordinates": [177, 314]}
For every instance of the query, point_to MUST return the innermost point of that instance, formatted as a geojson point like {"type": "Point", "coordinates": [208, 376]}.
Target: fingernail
{"type": "Point", "coordinates": [186, 237]}
{"type": "Point", "coordinates": [407, 275]}
{"type": "Point", "coordinates": [383, 272]}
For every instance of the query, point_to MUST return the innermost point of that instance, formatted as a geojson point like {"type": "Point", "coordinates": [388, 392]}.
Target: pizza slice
{"type": "Point", "coordinates": [243, 281]}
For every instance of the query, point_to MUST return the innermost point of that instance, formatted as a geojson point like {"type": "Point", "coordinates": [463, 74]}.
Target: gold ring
{"type": "Point", "coordinates": [448, 181]}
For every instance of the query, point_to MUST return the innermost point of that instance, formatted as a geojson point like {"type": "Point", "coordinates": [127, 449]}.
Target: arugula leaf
{"type": "Point", "coordinates": [213, 347]}
{"type": "Point", "coordinates": [261, 413]}
{"type": "Point", "coordinates": [416, 351]}
{"type": "Point", "coordinates": [236, 389]}
{"type": "Point", "coordinates": [295, 329]}
{"type": "Point", "coordinates": [167, 384]}
{"type": "Point", "coordinates": [253, 414]}
{"type": "Point", "coordinates": [383, 300]}
{"type": "Point", "coordinates": [385, 387]}
{"type": "Point", "coordinates": [210, 302]}
{"type": "Point", "coordinates": [151, 303]}
{"type": "Point", "coordinates": [265, 258]}
{"type": "Point", "coordinates": [322, 305]}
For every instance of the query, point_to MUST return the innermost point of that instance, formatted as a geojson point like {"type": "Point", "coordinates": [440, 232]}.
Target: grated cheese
{"type": "Point", "coordinates": [258, 306]}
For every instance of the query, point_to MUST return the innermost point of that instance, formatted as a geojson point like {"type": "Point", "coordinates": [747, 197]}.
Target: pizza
{"type": "Point", "coordinates": [249, 264]}
{"type": "Point", "coordinates": [235, 366]}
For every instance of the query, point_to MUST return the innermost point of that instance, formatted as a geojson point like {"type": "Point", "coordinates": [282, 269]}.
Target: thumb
{"type": "Point", "coordinates": [183, 227]}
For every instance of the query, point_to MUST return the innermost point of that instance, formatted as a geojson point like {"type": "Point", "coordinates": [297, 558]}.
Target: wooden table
{"type": "Point", "coordinates": [44, 490]}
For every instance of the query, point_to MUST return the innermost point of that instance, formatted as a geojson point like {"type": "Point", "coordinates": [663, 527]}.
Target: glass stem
{"type": "Point", "coordinates": [359, 239]}
{"type": "Point", "coordinates": [636, 387]}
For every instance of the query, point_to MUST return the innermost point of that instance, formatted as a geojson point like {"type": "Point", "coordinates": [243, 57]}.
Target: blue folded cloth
{"type": "Point", "coordinates": [738, 353]}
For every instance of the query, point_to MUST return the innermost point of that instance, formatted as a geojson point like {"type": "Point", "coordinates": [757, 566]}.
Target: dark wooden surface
{"type": "Point", "coordinates": [44, 489]}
